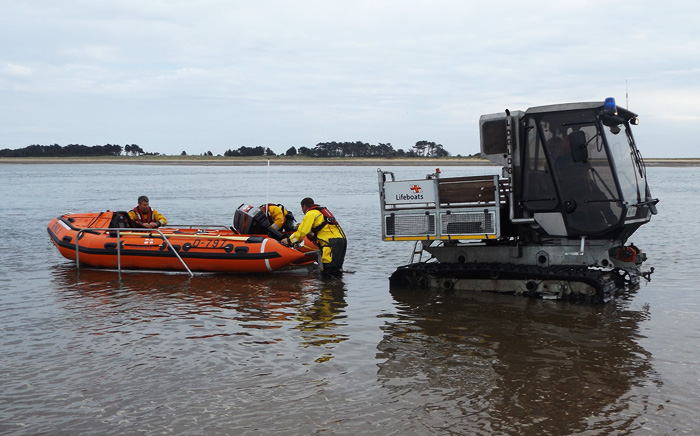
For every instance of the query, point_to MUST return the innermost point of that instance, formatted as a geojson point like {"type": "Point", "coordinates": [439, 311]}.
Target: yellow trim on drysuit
{"type": "Point", "coordinates": [314, 218]}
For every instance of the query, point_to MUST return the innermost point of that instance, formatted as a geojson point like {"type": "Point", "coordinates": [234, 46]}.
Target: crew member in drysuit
{"type": "Point", "coordinates": [322, 228]}
{"type": "Point", "coordinates": [146, 217]}
{"type": "Point", "coordinates": [280, 218]}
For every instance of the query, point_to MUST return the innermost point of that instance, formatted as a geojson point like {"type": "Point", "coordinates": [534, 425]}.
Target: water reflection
{"type": "Point", "coordinates": [500, 364]}
{"type": "Point", "coordinates": [207, 304]}
{"type": "Point", "coordinates": [318, 320]}
{"type": "Point", "coordinates": [157, 353]}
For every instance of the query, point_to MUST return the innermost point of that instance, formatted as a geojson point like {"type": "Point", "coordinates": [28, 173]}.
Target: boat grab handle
{"type": "Point", "coordinates": [119, 245]}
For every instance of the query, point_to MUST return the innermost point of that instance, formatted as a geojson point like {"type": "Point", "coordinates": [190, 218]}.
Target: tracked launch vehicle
{"type": "Point", "coordinates": [554, 224]}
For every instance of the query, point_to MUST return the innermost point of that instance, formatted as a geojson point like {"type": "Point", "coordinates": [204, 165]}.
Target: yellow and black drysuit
{"type": "Point", "coordinates": [151, 217]}
{"type": "Point", "coordinates": [322, 228]}
{"type": "Point", "coordinates": [279, 217]}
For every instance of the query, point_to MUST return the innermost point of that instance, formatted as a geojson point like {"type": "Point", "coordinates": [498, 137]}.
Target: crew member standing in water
{"type": "Point", "coordinates": [322, 228]}
{"type": "Point", "coordinates": [146, 217]}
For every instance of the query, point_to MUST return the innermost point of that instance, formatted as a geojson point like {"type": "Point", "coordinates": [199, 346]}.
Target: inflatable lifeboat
{"type": "Point", "coordinates": [111, 240]}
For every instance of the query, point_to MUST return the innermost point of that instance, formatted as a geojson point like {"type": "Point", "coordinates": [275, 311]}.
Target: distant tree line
{"type": "Point", "coordinates": [250, 151]}
{"type": "Point", "coordinates": [322, 149]}
{"type": "Point", "coordinates": [363, 149]}
{"type": "Point", "coordinates": [74, 150]}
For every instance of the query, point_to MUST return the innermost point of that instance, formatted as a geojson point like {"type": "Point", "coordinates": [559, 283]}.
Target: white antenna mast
{"type": "Point", "coordinates": [267, 190]}
{"type": "Point", "coordinates": [627, 96]}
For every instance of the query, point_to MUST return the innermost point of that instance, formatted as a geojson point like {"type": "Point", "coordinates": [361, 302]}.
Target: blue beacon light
{"type": "Point", "coordinates": [609, 107]}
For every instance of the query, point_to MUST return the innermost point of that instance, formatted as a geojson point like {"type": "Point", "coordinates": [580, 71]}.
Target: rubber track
{"type": "Point", "coordinates": [415, 275]}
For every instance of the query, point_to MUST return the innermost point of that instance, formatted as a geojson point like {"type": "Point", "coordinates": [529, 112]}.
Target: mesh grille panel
{"type": "Point", "coordinates": [467, 223]}
{"type": "Point", "coordinates": [410, 225]}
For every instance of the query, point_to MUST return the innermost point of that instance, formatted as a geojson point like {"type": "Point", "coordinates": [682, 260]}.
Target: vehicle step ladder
{"type": "Point", "coordinates": [417, 251]}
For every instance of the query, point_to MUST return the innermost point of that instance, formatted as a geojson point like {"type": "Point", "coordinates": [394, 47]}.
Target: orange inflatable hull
{"type": "Point", "coordinates": [203, 250]}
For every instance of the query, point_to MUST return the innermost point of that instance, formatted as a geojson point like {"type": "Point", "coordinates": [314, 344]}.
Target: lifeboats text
{"type": "Point", "coordinates": [408, 197]}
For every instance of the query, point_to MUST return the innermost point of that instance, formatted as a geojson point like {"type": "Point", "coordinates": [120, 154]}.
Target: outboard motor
{"type": "Point", "coordinates": [250, 220]}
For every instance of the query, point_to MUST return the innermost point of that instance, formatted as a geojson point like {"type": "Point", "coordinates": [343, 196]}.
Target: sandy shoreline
{"type": "Point", "coordinates": [277, 161]}
{"type": "Point", "coordinates": [258, 161]}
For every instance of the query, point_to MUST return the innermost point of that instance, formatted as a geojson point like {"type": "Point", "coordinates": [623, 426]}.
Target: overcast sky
{"type": "Point", "coordinates": [200, 76]}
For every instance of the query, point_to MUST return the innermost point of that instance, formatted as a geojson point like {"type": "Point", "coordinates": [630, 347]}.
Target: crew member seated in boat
{"type": "Point", "coordinates": [280, 218]}
{"type": "Point", "coordinates": [320, 226]}
{"type": "Point", "coordinates": [146, 217]}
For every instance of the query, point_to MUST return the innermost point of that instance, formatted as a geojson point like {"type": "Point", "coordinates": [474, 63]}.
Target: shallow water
{"type": "Point", "coordinates": [90, 352]}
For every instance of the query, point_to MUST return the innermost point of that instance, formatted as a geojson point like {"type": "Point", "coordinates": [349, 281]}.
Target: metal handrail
{"type": "Point", "coordinates": [119, 245]}
{"type": "Point", "coordinates": [196, 226]}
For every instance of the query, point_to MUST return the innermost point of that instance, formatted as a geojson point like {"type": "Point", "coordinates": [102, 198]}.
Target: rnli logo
{"type": "Point", "coordinates": [415, 194]}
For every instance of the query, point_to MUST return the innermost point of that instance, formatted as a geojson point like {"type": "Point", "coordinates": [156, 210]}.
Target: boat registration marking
{"type": "Point", "coordinates": [207, 242]}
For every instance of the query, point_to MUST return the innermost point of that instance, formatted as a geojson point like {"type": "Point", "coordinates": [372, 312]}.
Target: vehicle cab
{"type": "Point", "coordinates": [575, 168]}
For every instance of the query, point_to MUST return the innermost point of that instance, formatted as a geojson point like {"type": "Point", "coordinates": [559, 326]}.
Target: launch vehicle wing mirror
{"type": "Point", "coordinates": [579, 146]}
